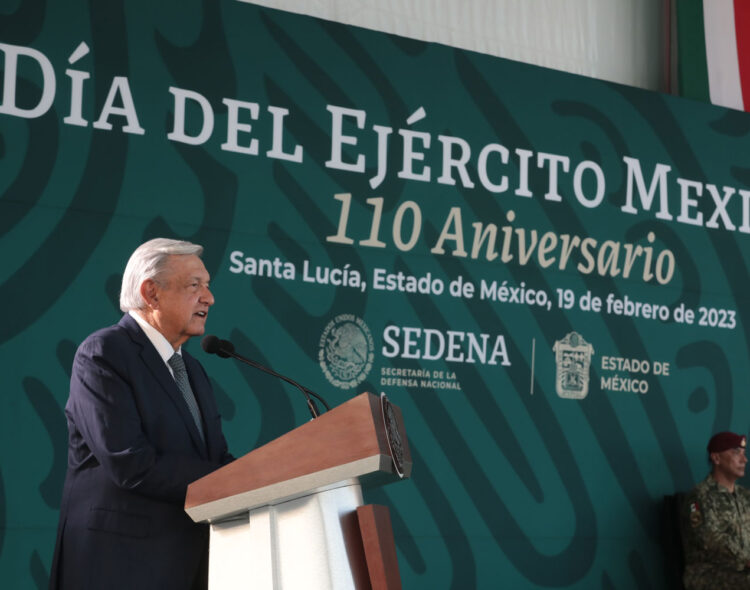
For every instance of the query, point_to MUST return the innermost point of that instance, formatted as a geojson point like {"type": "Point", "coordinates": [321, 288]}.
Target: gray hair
{"type": "Point", "coordinates": [147, 262]}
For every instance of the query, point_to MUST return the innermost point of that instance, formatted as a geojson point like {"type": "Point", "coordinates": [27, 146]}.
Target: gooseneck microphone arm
{"type": "Point", "coordinates": [225, 349]}
{"type": "Point", "coordinates": [310, 403]}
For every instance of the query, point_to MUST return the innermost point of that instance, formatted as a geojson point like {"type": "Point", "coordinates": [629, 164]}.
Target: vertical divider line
{"type": "Point", "coordinates": [533, 358]}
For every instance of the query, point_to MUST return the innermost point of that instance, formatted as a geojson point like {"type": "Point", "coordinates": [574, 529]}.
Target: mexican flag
{"type": "Point", "coordinates": [713, 51]}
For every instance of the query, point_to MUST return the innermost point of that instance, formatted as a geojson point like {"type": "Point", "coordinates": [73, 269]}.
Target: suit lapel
{"type": "Point", "coordinates": [161, 374]}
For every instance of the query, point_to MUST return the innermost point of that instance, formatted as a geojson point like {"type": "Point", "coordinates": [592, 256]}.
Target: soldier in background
{"type": "Point", "coordinates": [716, 523]}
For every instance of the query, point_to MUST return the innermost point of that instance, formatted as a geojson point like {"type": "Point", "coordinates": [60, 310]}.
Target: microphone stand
{"type": "Point", "coordinates": [314, 412]}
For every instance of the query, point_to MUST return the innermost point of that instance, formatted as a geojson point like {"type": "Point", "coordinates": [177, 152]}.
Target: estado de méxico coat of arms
{"type": "Point", "coordinates": [573, 361]}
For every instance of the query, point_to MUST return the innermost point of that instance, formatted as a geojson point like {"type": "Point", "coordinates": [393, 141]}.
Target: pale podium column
{"type": "Point", "coordinates": [289, 515]}
{"type": "Point", "coordinates": [298, 544]}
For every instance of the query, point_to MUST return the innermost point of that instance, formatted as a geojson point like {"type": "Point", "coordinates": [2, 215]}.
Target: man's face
{"type": "Point", "coordinates": [183, 299]}
{"type": "Point", "coordinates": [731, 463]}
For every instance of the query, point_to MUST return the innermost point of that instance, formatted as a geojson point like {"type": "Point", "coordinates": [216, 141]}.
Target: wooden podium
{"type": "Point", "coordinates": [290, 516]}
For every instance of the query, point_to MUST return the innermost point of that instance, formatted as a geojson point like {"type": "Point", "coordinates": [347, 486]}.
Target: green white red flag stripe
{"type": "Point", "coordinates": [714, 51]}
{"type": "Point", "coordinates": [742, 32]}
{"type": "Point", "coordinates": [721, 53]}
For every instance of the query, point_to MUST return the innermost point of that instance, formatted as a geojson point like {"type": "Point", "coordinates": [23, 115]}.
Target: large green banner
{"type": "Point", "coordinates": [547, 273]}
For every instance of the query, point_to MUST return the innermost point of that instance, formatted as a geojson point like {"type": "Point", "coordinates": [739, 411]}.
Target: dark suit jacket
{"type": "Point", "coordinates": [133, 448]}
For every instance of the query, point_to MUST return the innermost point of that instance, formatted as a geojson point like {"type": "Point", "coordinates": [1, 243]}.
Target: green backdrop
{"type": "Point", "coordinates": [547, 273]}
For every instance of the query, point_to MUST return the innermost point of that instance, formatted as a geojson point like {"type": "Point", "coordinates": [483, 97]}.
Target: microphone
{"type": "Point", "coordinates": [212, 345]}
{"type": "Point", "coordinates": [225, 349]}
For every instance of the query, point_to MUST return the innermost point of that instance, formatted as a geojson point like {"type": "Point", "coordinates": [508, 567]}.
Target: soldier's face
{"type": "Point", "coordinates": [731, 462]}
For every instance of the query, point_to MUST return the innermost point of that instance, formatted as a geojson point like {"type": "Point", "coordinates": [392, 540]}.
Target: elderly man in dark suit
{"type": "Point", "coordinates": [142, 424]}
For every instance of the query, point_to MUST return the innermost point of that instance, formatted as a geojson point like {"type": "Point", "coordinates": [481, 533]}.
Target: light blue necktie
{"type": "Point", "coordinates": [181, 377]}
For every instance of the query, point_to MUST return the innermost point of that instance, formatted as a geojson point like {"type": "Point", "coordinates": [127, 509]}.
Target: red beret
{"type": "Point", "coordinates": [724, 441]}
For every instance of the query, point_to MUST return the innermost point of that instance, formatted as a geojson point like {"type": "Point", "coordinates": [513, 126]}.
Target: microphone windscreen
{"type": "Point", "coordinates": [211, 344]}
{"type": "Point", "coordinates": [225, 349]}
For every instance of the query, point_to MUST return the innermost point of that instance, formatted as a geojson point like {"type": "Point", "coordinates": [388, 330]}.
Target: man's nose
{"type": "Point", "coordinates": [207, 296]}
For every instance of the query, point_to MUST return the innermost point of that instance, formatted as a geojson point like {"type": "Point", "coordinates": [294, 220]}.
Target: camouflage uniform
{"type": "Point", "coordinates": [716, 534]}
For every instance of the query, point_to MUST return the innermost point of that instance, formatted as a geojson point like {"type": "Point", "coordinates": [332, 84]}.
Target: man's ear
{"type": "Point", "coordinates": [150, 293]}
{"type": "Point", "coordinates": [714, 458]}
